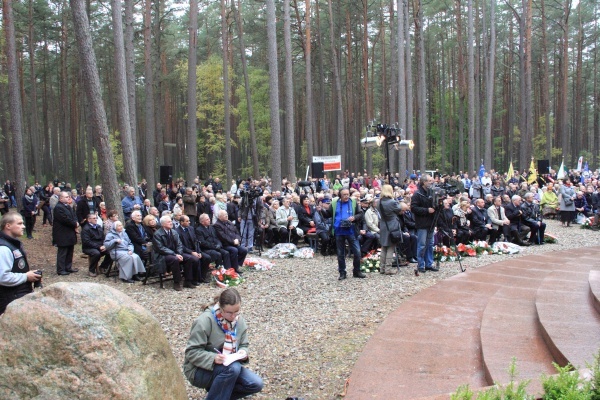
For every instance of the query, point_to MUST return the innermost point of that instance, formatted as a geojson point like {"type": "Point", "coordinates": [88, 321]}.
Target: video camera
{"type": "Point", "coordinates": [441, 192]}
{"type": "Point", "coordinates": [251, 193]}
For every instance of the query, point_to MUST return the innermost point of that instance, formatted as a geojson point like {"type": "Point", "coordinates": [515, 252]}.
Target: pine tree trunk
{"type": "Point", "coordinates": [409, 88]}
{"type": "Point", "coordinates": [130, 173]}
{"type": "Point", "coordinates": [130, 69]}
{"type": "Point", "coordinates": [33, 108]}
{"type": "Point", "coordinates": [339, 132]}
{"type": "Point", "coordinates": [97, 113]}
{"type": "Point", "coordinates": [489, 87]}
{"type": "Point", "coordinates": [274, 96]}
{"type": "Point", "coordinates": [402, 115]}
{"type": "Point", "coordinates": [421, 87]}
{"type": "Point", "coordinates": [253, 146]}
{"type": "Point", "coordinates": [226, 91]}
{"type": "Point", "coordinates": [149, 138]}
{"type": "Point", "coordinates": [471, 87]}
{"type": "Point", "coordinates": [192, 134]}
{"type": "Point", "coordinates": [289, 95]}
{"type": "Point", "coordinates": [14, 102]}
{"type": "Point", "coordinates": [310, 121]}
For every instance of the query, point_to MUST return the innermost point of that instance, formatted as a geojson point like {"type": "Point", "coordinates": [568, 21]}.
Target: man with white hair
{"type": "Point", "coordinates": [231, 240]}
{"type": "Point", "coordinates": [169, 254]}
{"type": "Point", "coordinates": [532, 218]}
{"type": "Point", "coordinates": [131, 202]}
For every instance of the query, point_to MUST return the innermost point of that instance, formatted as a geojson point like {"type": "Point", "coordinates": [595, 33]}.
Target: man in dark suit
{"type": "Point", "coordinates": [210, 244]}
{"type": "Point", "coordinates": [168, 254]}
{"type": "Point", "coordinates": [231, 240]}
{"type": "Point", "coordinates": [200, 260]}
{"type": "Point", "coordinates": [86, 205]}
{"type": "Point", "coordinates": [64, 234]}
{"type": "Point", "coordinates": [514, 214]}
{"type": "Point", "coordinates": [146, 208]}
{"type": "Point", "coordinates": [137, 234]}
{"type": "Point", "coordinates": [92, 244]}
{"type": "Point", "coordinates": [480, 221]}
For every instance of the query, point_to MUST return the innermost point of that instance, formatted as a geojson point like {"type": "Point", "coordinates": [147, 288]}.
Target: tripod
{"type": "Point", "coordinates": [436, 218]}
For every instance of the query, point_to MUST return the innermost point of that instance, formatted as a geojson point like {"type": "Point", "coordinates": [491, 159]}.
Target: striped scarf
{"type": "Point", "coordinates": [228, 328]}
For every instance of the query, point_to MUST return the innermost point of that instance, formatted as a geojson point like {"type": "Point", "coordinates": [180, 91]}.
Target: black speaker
{"type": "Point", "coordinates": [543, 166]}
{"type": "Point", "coordinates": [166, 174]}
{"type": "Point", "coordinates": [317, 170]}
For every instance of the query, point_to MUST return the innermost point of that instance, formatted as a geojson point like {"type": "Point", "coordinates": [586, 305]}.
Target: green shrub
{"type": "Point", "coordinates": [566, 385]}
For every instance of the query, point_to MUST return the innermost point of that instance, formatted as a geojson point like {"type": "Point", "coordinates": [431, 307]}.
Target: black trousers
{"type": "Point", "coordinates": [64, 258]}
{"type": "Point", "coordinates": [219, 257]}
{"type": "Point", "coordinates": [94, 256]}
{"type": "Point", "coordinates": [174, 265]}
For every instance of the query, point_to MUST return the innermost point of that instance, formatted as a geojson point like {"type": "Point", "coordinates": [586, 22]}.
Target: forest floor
{"type": "Point", "coordinates": [306, 328]}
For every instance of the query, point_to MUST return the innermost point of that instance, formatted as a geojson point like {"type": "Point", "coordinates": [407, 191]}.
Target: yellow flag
{"type": "Point", "coordinates": [532, 173]}
{"type": "Point", "coordinates": [511, 171]}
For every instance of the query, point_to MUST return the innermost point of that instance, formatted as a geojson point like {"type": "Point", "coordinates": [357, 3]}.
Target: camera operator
{"type": "Point", "coordinates": [324, 228]}
{"type": "Point", "coordinates": [423, 209]}
{"type": "Point", "coordinates": [15, 276]}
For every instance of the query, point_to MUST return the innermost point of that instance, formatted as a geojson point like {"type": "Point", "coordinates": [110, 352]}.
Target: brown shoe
{"type": "Point", "coordinates": [92, 274]}
{"type": "Point", "coordinates": [177, 286]}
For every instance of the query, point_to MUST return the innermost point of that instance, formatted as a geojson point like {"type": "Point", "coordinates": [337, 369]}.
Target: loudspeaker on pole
{"type": "Point", "coordinates": [317, 170]}
{"type": "Point", "coordinates": [166, 174]}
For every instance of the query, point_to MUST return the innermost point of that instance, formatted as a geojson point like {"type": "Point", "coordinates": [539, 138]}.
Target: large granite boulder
{"type": "Point", "coordinates": [85, 341]}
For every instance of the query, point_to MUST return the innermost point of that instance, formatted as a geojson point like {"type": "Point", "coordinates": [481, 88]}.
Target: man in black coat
{"type": "Point", "coordinates": [137, 234]}
{"type": "Point", "coordinates": [533, 219]}
{"type": "Point", "coordinates": [200, 260]}
{"type": "Point", "coordinates": [480, 221]}
{"type": "Point", "coordinates": [86, 205]}
{"type": "Point", "coordinates": [231, 240]}
{"type": "Point", "coordinates": [209, 243]}
{"type": "Point", "coordinates": [514, 214]}
{"type": "Point", "coordinates": [64, 234]}
{"type": "Point", "coordinates": [168, 253]}
{"type": "Point", "coordinates": [423, 209]}
{"type": "Point", "coordinates": [92, 244]}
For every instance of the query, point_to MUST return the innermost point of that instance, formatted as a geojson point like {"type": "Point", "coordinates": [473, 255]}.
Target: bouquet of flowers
{"type": "Point", "coordinates": [548, 238]}
{"type": "Point", "coordinates": [586, 223]}
{"type": "Point", "coordinates": [258, 263]}
{"type": "Point", "coordinates": [482, 247]}
{"type": "Point", "coordinates": [370, 262]}
{"type": "Point", "coordinates": [444, 253]}
{"type": "Point", "coordinates": [466, 250]}
{"type": "Point", "coordinates": [226, 278]}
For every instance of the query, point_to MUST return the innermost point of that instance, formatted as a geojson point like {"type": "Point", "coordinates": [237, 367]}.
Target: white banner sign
{"type": "Point", "coordinates": [330, 163]}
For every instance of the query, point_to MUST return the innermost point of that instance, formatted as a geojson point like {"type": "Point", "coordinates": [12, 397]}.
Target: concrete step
{"type": "Point", "coordinates": [570, 324]}
{"type": "Point", "coordinates": [594, 280]}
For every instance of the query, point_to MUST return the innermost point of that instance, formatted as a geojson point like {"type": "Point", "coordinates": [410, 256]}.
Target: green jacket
{"type": "Point", "coordinates": [355, 213]}
{"type": "Point", "coordinates": [205, 337]}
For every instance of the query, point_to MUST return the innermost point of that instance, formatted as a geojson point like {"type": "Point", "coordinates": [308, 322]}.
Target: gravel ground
{"type": "Point", "coordinates": [306, 328]}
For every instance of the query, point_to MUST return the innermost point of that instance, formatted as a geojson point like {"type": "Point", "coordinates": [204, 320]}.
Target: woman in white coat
{"type": "Point", "coordinates": [120, 248]}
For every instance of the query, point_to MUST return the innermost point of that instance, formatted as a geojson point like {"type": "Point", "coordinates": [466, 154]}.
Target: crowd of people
{"type": "Point", "coordinates": [184, 228]}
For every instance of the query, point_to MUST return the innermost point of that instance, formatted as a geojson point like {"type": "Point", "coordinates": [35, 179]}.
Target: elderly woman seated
{"type": "Point", "coordinates": [120, 248]}
{"type": "Point", "coordinates": [549, 202]}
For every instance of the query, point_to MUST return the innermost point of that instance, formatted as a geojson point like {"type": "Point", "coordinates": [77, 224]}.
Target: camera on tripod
{"type": "Point", "coordinates": [439, 193]}
{"type": "Point", "coordinates": [251, 193]}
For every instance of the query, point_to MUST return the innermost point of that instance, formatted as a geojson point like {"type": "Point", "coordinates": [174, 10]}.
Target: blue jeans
{"type": "Point", "coordinates": [247, 233]}
{"type": "Point", "coordinates": [340, 242]}
{"type": "Point", "coordinates": [424, 248]}
{"type": "Point", "coordinates": [225, 383]}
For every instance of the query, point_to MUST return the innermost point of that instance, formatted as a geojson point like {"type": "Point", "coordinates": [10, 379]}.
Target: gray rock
{"type": "Point", "coordinates": [85, 341]}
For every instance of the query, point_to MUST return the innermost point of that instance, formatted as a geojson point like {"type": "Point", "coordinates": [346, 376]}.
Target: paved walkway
{"type": "Point", "coordinates": [466, 329]}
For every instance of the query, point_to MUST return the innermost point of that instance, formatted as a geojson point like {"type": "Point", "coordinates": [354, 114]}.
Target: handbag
{"type": "Point", "coordinates": [395, 236]}
{"type": "Point", "coordinates": [568, 201]}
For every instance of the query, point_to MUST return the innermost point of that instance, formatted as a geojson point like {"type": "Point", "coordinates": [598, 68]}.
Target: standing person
{"type": "Point", "coordinates": [44, 196]}
{"type": "Point", "coordinates": [87, 205]}
{"type": "Point", "coordinates": [567, 204]}
{"type": "Point", "coordinates": [216, 335]}
{"type": "Point", "coordinates": [389, 210]}
{"type": "Point", "coordinates": [15, 276]}
{"type": "Point", "coordinates": [423, 209]}
{"type": "Point", "coordinates": [30, 210]}
{"type": "Point", "coordinates": [64, 234]}
{"type": "Point", "coordinates": [345, 212]}
{"type": "Point", "coordinates": [9, 189]}
{"type": "Point", "coordinates": [131, 202]}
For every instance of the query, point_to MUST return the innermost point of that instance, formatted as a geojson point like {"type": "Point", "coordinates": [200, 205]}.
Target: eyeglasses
{"type": "Point", "coordinates": [235, 314]}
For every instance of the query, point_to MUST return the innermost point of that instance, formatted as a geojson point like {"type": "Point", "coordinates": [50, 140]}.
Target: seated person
{"type": "Point", "coordinates": [367, 239]}
{"type": "Point", "coordinates": [200, 261]}
{"type": "Point", "coordinates": [549, 202]}
{"type": "Point", "coordinates": [500, 224]}
{"type": "Point", "coordinates": [120, 248]}
{"type": "Point", "coordinates": [288, 221]}
{"type": "Point", "coordinates": [480, 222]}
{"type": "Point", "coordinates": [169, 255]}
{"type": "Point", "coordinates": [324, 228]}
{"type": "Point", "coordinates": [272, 231]}
{"type": "Point", "coordinates": [409, 242]}
{"type": "Point", "coordinates": [514, 213]}
{"type": "Point", "coordinates": [138, 235]}
{"type": "Point", "coordinates": [92, 244]}
{"type": "Point", "coordinates": [532, 218]}
{"type": "Point", "coordinates": [209, 243]}
{"type": "Point", "coordinates": [306, 215]}
{"type": "Point", "coordinates": [581, 204]}
{"type": "Point", "coordinates": [231, 240]}
{"type": "Point", "coordinates": [464, 233]}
